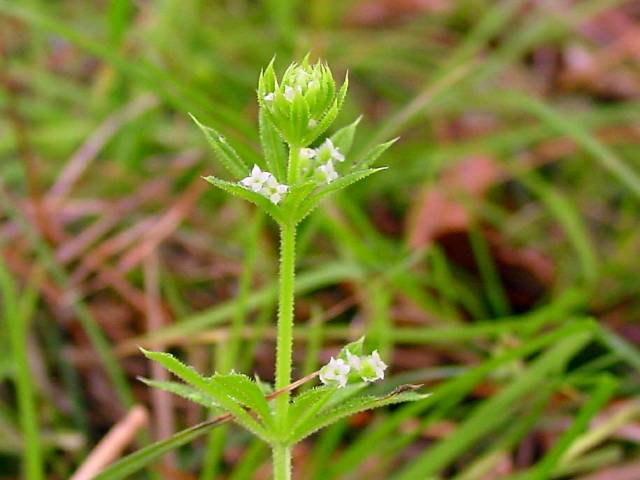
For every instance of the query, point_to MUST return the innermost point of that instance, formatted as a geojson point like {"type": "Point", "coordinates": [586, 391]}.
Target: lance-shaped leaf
{"type": "Point", "coordinates": [297, 195]}
{"type": "Point", "coordinates": [326, 94]}
{"type": "Point", "coordinates": [273, 148]}
{"type": "Point", "coordinates": [306, 405]}
{"type": "Point", "coordinates": [249, 195]}
{"type": "Point", "coordinates": [312, 201]}
{"type": "Point", "coordinates": [127, 466]}
{"type": "Point", "coordinates": [267, 81]}
{"type": "Point", "coordinates": [299, 119]}
{"type": "Point", "coordinates": [190, 376]}
{"type": "Point", "coordinates": [243, 390]}
{"type": "Point", "coordinates": [224, 151]}
{"type": "Point", "coordinates": [372, 155]}
{"type": "Point", "coordinates": [185, 391]}
{"type": "Point", "coordinates": [405, 393]}
{"type": "Point", "coordinates": [343, 138]}
{"type": "Point", "coordinates": [330, 115]}
{"type": "Point", "coordinates": [355, 348]}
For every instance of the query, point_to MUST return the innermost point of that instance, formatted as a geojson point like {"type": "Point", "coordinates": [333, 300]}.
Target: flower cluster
{"type": "Point", "coordinates": [320, 160]}
{"type": "Point", "coordinates": [338, 371]}
{"type": "Point", "coordinates": [265, 184]}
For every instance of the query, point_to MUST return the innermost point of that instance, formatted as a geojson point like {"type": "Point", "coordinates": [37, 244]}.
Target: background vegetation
{"type": "Point", "coordinates": [496, 260]}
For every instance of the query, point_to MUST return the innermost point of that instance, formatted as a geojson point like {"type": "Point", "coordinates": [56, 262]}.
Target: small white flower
{"type": "Point", "coordinates": [273, 190]}
{"type": "Point", "coordinates": [307, 153]}
{"type": "Point", "coordinates": [256, 180]}
{"type": "Point", "coordinates": [290, 92]}
{"type": "Point", "coordinates": [354, 361]}
{"type": "Point", "coordinates": [312, 123]}
{"type": "Point", "coordinates": [330, 151]}
{"type": "Point", "coordinates": [269, 97]}
{"type": "Point", "coordinates": [301, 78]}
{"type": "Point", "coordinates": [372, 367]}
{"type": "Point", "coordinates": [336, 372]}
{"type": "Point", "coordinates": [328, 172]}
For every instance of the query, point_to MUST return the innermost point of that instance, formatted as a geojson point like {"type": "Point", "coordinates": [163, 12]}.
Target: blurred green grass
{"type": "Point", "coordinates": [107, 86]}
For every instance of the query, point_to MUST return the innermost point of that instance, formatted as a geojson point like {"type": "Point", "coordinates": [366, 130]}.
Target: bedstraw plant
{"type": "Point", "coordinates": [300, 167]}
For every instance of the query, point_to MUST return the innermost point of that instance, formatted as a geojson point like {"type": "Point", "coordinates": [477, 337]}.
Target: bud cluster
{"type": "Point", "coordinates": [304, 103]}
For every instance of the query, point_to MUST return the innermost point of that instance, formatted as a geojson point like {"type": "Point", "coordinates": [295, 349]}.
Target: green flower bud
{"type": "Point", "coordinates": [304, 103]}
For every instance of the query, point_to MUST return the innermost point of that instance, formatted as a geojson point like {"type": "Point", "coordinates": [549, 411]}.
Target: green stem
{"type": "Point", "coordinates": [282, 453]}
{"type": "Point", "coordinates": [294, 164]}
{"type": "Point", "coordinates": [16, 322]}
{"type": "Point", "coordinates": [285, 319]}
{"type": "Point", "coordinates": [281, 462]}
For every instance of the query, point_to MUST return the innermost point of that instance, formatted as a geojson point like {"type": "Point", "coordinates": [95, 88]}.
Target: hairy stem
{"type": "Point", "coordinates": [281, 453]}
{"type": "Point", "coordinates": [294, 164]}
{"type": "Point", "coordinates": [281, 462]}
{"type": "Point", "coordinates": [285, 319]}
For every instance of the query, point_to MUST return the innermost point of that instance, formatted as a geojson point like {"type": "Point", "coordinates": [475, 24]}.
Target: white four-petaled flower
{"type": "Point", "coordinates": [354, 361]}
{"type": "Point", "coordinates": [328, 172]}
{"type": "Point", "coordinates": [256, 180]}
{"type": "Point", "coordinates": [369, 368]}
{"type": "Point", "coordinates": [301, 78]}
{"type": "Point", "coordinates": [329, 151]}
{"type": "Point", "coordinates": [291, 92]}
{"type": "Point", "coordinates": [273, 190]}
{"type": "Point", "coordinates": [265, 184]}
{"type": "Point", "coordinates": [336, 372]}
{"type": "Point", "coordinates": [372, 367]}
{"type": "Point", "coordinates": [307, 153]}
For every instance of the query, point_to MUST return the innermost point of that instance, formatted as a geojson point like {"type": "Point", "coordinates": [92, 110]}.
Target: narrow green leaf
{"type": "Point", "coordinates": [571, 220]}
{"type": "Point", "coordinates": [355, 348]}
{"type": "Point", "coordinates": [324, 123]}
{"type": "Point", "coordinates": [605, 387]}
{"type": "Point", "coordinates": [485, 418]}
{"type": "Point", "coordinates": [245, 391]}
{"type": "Point", "coordinates": [328, 91]}
{"type": "Point", "coordinates": [224, 151]}
{"type": "Point", "coordinates": [306, 405]}
{"type": "Point", "coordinates": [17, 330]}
{"type": "Point", "coordinates": [119, 15]}
{"type": "Point", "coordinates": [125, 467]}
{"type": "Point", "coordinates": [299, 117]}
{"type": "Point", "coordinates": [297, 195]}
{"type": "Point", "coordinates": [185, 391]}
{"type": "Point", "coordinates": [272, 146]}
{"type": "Point", "coordinates": [405, 393]}
{"type": "Point", "coordinates": [342, 93]}
{"type": "Point", "coordinates": [266, 82]}
{"type": "Point", "coordinates": [624, 349]}
{"type": "Point", "coordinates": [373, 154]}
{"type": "Point", "coordinates": [607, 158]}
{"type": "Point", "coordinates": [239, 191]}
{"type": "Point", "coordinates": [189, 375]}
{"type": "Point", "coordinates": [313, 200]}
{"type": "Point", "coordinates": [343, 138]}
